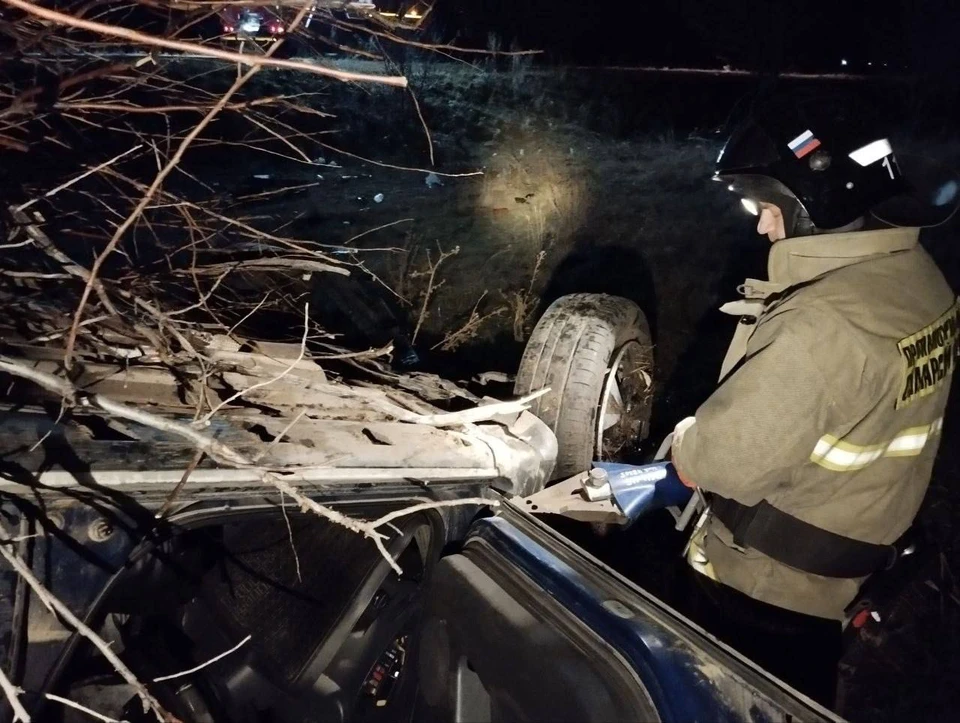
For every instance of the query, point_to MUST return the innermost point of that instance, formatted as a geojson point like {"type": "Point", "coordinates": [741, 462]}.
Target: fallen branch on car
{"type": "Point", "coordinates": [57, 607]}
{"type": "Point", "coordinates": [228, 456]}
{"type": "Point", "coordinates": [76, 706]}
{"type": "Point", "coordinates": [12, 694]}
{"type": "Point", "coordinates": [212, 660]}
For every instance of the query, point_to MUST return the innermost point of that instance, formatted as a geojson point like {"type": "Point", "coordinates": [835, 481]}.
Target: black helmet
{"type": "Point", "coordinates": [824, 167]}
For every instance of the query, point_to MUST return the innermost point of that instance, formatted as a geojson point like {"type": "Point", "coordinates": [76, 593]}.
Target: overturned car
{"type": "Point", "coordinates": [261, 541]}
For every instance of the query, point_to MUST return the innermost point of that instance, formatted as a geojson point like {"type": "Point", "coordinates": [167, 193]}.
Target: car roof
{"type": "Point", "coordinates": [292, 416]}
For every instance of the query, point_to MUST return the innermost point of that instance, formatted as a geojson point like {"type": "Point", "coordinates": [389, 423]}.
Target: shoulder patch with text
{"type": "Point", "coordinates": [929, 356]}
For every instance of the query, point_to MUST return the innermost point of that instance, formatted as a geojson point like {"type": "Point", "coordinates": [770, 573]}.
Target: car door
{"type": "Point", "coordinates": [521, 625]}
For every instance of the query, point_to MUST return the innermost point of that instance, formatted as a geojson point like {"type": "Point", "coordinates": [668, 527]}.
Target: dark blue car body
{"type": "Point", "coordinates": [680, 672]}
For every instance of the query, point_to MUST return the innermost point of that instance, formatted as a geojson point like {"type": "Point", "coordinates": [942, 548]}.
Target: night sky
{"type": "Point", "coordinates": [757, 34]}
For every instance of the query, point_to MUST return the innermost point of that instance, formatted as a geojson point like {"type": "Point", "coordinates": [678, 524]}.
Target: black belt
{"type": "Point", "coordinates": [799, 544]}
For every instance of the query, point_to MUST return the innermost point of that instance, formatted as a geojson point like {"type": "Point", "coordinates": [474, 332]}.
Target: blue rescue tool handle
{"type": "Point", "coordinates": [640, 489]}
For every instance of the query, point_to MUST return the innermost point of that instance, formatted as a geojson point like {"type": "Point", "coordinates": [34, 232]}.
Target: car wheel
{"type": "Point", "coordinates": [594, 353]}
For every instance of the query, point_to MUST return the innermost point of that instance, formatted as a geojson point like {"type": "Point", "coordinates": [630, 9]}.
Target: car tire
{"type": "Point", "coordinates": [571, 351]}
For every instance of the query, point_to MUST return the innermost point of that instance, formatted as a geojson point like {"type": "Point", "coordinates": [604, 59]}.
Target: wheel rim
{"type": "Point", "coordinates": [624, 401]}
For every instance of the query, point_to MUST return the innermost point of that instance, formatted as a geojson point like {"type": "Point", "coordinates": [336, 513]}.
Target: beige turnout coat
{"type": "Point", "coordinates": [830, 406]}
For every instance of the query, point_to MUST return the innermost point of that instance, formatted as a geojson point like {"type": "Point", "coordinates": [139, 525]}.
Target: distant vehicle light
{"type": "Point", "coordinates": [844, 62]}
{"type": "Point", "coordinates": [228, 28]}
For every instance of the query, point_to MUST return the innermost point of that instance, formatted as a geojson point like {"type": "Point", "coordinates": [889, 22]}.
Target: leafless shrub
{"type": "Point", "coordinates": [470, 329]}
{"type": "Point", "coordinates": [524, 303]}
{"type": "Point", "coordinates": [432, 285]}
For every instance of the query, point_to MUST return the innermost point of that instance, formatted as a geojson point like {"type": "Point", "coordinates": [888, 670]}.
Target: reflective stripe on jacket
{"type": "Point", "coordinates": [830, 406]}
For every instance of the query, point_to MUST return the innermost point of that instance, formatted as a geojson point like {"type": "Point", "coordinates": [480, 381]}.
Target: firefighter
{"type": "Point", "coordinates": [818, 445]}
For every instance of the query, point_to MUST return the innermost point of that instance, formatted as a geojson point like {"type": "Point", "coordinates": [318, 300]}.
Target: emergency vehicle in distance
{"type": "Point", "coordinates": [265, 23]}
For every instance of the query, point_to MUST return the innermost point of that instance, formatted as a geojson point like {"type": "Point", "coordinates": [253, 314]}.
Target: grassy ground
{"type": "Point", "coordinates": [590, 182]}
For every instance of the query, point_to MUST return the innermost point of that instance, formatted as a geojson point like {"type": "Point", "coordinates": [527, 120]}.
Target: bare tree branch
{"type": "Point", "coordinates": [72, 181]}
{"type": "Point", "coordinates": [234, 397]}
{"type": "Point", "coordinates": [147, 197]}
{"type": "Point", "coordinates": [73, 704]}
{"type": "Point", "coordinates": [254, 61]}
{"type": "Point", "coordinates": [54, 605]}
{"type": "Point", "coordinates": [12, 694]}
{"type": "Point", "coordinates": [230, 457]}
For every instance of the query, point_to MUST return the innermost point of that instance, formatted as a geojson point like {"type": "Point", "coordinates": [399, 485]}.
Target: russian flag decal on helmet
{"type": "Point", "coordinates": [804, 143]}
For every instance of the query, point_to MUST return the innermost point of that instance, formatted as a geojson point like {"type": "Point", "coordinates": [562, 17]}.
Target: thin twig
{"type": "Point", "coordinates": [25, 242]}
{"type": "Point", "coordinates": [277, 439]}
{"type": "Point", "coordinates": [368, 354]}
{"type": "Point", "coordinates": [131, 108]}
{"type": "Point", "coordinates": [204, 298]}
{"type": "Point", "coordinates": [470, 328]}
{"type": "Point", "coordinates": [32, 275]}
{"type": "Point", "coordinates": [236, 395]}
{"type": "Point", "coordinates": [391, 165]}
{"type": "Point", "coordinates": [249, 313]}
{"type": "Point", "coordinates": [413, 509]}
{"type": "Point", "coordinates": [39, 442]}
{"type": "Point", "coordinates": [423, 122]}
{"type": "Point", "coordinates": [69, 183]}
{"type": "Point", "coordinates": [57, 334]}
{"type": "Point", "coordinates": [175, 493]}
{"type": "Point", "coordinates": [373, 230]}
{"type": "Point", "coordinates": [293, 546]}
{"type": "Point", "coordinates": [212, 660]}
